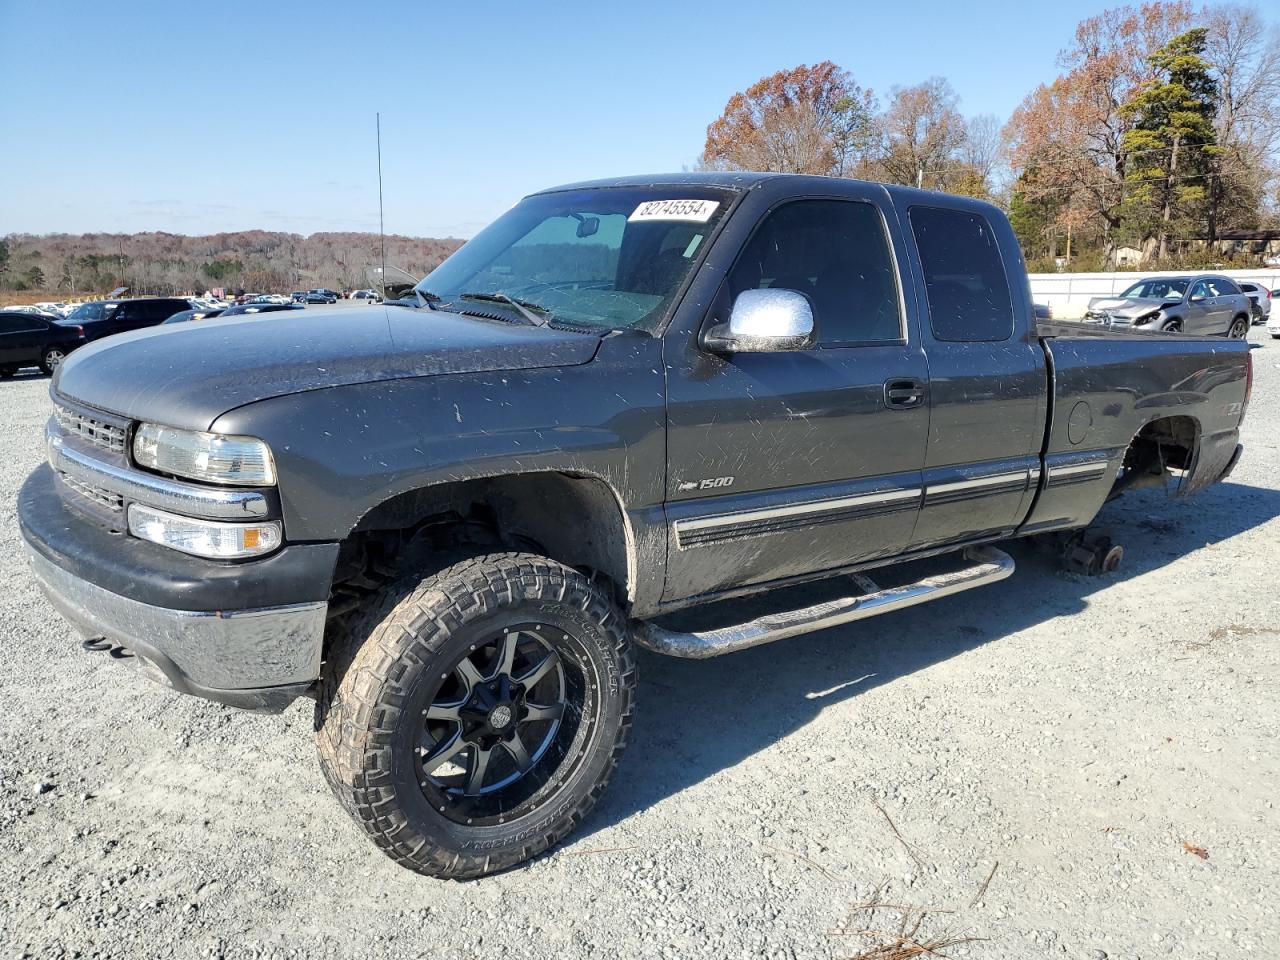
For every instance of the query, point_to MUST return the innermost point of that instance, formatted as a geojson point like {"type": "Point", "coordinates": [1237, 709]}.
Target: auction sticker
{"type": "Point", "coordinates": [695, 211]}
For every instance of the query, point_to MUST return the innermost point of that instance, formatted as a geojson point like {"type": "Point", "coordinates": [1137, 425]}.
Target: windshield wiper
{"type": "Point", "coordinates": [525, 307]}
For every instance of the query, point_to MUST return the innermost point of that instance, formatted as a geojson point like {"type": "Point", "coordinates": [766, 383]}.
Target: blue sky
{"type": "Point", "coordinates": [200, 117]}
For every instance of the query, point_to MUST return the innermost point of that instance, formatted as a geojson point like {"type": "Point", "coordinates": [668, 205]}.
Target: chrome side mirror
{"type": "Point", "coordinates": [764, 321]}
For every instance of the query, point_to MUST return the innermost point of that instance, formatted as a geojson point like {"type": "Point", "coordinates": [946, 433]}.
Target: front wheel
{"type": "Point", "coordinates": [1239, 329]}
{"type": "Point", "coordinates": [1172, 326]}
{"type": "Point", "coordinates": [470, 720]}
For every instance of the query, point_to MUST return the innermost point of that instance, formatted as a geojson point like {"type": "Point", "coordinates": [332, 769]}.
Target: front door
{"type": "Point", "coordinates": [784, 464]}
{"type": "Point", "coordinates": [1224, 303]}
{"type": "Point", "coordinates": [1202, 310]}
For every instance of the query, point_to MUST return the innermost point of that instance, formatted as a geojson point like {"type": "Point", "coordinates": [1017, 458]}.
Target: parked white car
{"type": "Point", "coordinates": [56, 307]}
{"type": "Point", "coordinates": [42, 309]}
{"type": "Point", "coordinates": [1273, 324]}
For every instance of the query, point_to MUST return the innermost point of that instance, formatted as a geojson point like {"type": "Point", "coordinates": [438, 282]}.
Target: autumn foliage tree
{"type": "Point", "coordinates": [1067, 138]}
{"type": "Point", "coordinates": [922, 135]}
{"type": "Point", "coordinates": [166, 263]}
{"type": "Point", "coordinates": [810, 119]}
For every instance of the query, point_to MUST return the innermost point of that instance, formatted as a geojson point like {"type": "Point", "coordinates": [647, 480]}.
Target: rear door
{"type": "Point", "coordinates": [783, 464]}
{"type": "Point", "coordinates": [11, 327]}
{"type": "Point", "coordinates": [988, 383]}
{"type": "Point", "coordinates": [33, 339]}
{"type": "Point", "coordinates": [23, 336]}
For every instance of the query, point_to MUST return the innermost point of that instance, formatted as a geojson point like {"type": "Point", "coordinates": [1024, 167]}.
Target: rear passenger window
{"type": "Point", "coordinates": [836, 253]}
{"type": "Point", "coordinates": [964, 278]}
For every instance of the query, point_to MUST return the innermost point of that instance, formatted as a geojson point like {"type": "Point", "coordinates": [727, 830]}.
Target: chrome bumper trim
{"type": "Point", "coordinates": [200, 652]}
{"type": "Point", "coordinates": [184, 498]}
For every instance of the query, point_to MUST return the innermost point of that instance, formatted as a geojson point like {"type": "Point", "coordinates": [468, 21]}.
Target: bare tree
{"type": "Point", "coordinates": [1243, 52]}
{"type": "Point", "coordinates": [983, 150]}
{"type": "Point", "coordinates": [921, 134]}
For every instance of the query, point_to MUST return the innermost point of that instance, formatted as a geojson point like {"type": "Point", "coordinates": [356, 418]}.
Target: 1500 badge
{"type": "Point", "coordinates": [710, 483]}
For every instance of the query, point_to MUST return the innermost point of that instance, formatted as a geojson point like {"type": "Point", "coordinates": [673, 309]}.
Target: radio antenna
{"type": "Point", "coordinates": [382, 236]}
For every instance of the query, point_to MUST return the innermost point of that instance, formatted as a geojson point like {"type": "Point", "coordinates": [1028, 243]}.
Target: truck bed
{"type": "Point", "coordinates": [1108, 387]}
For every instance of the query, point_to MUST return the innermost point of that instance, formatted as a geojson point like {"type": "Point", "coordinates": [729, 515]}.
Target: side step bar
{"type": "Point", "coordinates": [987, 566]}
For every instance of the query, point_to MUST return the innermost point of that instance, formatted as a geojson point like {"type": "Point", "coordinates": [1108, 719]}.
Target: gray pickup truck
{"type": "Point", "coordinates": [451, 523]}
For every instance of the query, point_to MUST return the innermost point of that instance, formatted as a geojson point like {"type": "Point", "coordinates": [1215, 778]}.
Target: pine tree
{"type": "Point", "coordinates": [1172, 145]}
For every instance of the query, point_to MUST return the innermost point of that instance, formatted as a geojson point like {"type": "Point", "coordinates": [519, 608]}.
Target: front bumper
{"type": "Point", "coordinates": [222, 655]}
{"type": "Point", "coordinates": [248, 634]}
{"type": "Point", "coordinates": [1120, 323]}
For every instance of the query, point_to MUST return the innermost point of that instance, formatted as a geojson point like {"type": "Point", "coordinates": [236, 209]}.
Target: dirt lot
{"type": "Point", "coordinates": [1100, 753]}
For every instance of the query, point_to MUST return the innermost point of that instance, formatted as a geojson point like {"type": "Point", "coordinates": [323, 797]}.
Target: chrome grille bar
{"type": "Point", "coordinates": [108, 436]}
{"type": "Point", "coordinates": [112, 501]}
{"type": "Point", "coordinates": [188, 499]}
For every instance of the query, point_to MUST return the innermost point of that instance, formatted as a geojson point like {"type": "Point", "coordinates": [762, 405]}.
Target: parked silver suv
{"type": "Point", "coordinates": [1204, 304]}
{"type": "Point", "coordinates": [1260, 299]}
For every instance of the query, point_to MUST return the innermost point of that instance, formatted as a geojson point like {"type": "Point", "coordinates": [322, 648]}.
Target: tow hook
{"type": "Point", "coordinates": [103, 645]}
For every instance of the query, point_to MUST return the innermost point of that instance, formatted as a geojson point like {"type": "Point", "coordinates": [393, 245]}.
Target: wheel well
{"type": "Point", "coordinates": [1160, 444]}
{"type": "Point", "coordinates": [576, 520]}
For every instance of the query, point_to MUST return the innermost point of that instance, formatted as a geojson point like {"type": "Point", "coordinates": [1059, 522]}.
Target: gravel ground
{"type": "Point", "coordinates": [1085, 739]}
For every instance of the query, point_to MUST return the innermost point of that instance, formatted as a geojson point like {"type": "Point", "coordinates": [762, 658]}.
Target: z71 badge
{"type": "Point", "coordinates": [710, 483]}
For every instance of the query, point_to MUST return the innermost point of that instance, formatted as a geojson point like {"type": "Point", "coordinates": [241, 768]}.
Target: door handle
{"type": "Point", "coordinates": [903, 393]}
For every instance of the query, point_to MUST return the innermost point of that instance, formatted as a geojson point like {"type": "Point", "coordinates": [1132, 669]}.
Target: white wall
{"type": "Point", "coordinates": [1069, 293]}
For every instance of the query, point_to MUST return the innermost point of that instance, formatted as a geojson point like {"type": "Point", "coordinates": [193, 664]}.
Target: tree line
{"type": "Point", "coordinates": [1160, 132]}
{"type": "Point", "coordinates": [73, 266]}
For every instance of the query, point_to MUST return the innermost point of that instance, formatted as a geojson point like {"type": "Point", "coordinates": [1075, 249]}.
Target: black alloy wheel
{"type": "Point", "coordinates": [493, 718]}
{"type": "Point", "coordinates": [469, 719]}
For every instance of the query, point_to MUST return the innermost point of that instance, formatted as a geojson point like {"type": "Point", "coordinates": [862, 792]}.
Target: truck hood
{"type": "Point", "coordinates": [189, 374]}
{"type": "Point", "coordinates": [1127, 308]}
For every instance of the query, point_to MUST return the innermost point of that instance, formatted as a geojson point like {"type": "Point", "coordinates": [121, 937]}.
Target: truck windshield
{"type": "Point", "coordinates": [612, 258]}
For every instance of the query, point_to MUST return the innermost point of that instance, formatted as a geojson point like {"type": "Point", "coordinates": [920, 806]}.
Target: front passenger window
{"type": "Point", "coordinates": [837, 254]}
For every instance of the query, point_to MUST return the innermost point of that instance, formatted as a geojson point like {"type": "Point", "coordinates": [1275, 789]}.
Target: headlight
{"type": "Point", "coordinates": [204, 538]}
{"type": "Point", "coordinates": [211, 457]}
{"type": "Point", "coordinates": [1146, 317]}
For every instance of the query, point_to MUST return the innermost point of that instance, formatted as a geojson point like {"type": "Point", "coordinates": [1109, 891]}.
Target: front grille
{"type": "Point", "coordinates": [99, 495]}
{"type": "Point", "coordinates": [108, 436]}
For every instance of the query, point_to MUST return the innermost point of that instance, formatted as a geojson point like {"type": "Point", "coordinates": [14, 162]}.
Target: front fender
{"type": "Point", "coordinates": [341, 451]}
